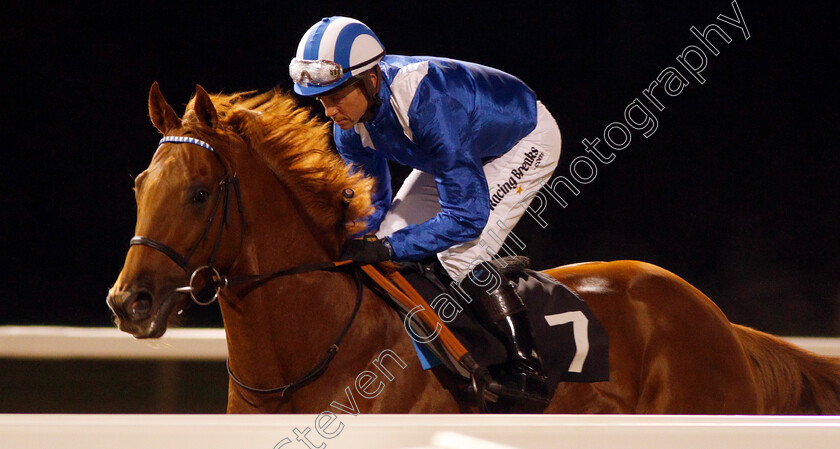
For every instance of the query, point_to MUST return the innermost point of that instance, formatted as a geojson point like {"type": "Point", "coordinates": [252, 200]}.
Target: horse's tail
{"type": "Point", "coordinates": [792, 380]}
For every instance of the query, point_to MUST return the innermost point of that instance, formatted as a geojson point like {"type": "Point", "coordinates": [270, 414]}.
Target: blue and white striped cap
{"type": "Point", "coordinates": [345, 41]}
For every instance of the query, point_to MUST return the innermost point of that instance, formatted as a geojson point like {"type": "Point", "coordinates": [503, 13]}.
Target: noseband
{"type": "Point", "coordinates": [219, 282]}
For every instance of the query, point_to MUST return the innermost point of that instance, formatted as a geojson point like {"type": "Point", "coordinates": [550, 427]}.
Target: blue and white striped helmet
{"type": "Point", "coordinates": [331, 52]}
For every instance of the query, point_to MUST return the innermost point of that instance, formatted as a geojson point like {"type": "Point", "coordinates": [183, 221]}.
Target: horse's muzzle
{"type": "Point", "coordinates": [131, 305]}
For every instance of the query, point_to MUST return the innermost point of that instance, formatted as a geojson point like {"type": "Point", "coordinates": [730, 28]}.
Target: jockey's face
{"type": "Point", "coordinates": [346, 106]}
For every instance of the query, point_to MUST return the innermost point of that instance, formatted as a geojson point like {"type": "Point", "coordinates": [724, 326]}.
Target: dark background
{"type": "Point", "coordinates": [736, 192]}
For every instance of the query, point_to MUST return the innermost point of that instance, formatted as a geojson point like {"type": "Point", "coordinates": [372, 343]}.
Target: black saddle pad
{"type": "Point", "coordinates": [572, 343]}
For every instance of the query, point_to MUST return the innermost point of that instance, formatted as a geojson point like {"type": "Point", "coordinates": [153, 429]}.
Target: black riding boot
{"type": "Point", "coordinates": [503, 313]}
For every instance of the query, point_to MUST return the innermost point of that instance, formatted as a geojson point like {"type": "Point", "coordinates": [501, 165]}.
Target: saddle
{"type": "Point", "coordinates": [572, 343]}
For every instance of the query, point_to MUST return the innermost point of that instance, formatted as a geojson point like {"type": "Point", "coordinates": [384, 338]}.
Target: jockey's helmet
{"type": "Point", "coordinates": [331, 53]}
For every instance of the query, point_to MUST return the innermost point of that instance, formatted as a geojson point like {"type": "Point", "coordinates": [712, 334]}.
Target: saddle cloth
{"type": "Point", "coordinates": [573, 345]}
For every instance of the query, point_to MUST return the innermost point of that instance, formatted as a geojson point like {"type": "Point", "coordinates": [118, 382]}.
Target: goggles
{"type": "Point", "coordinates": [319, 72]}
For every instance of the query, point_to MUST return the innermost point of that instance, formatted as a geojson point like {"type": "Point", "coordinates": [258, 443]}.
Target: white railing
{"type": "Point", "coordinates": [373, 432]}
{"type": "Point", "coordinates": [53, 342]}
{"type": "Point", "coordinates": [416, 431]}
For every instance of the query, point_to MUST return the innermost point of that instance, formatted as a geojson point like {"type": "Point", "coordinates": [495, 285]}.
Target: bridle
{"type": "Point", "coordinates": [214, 282]}
{"type": "Point", "coordinates": [222, 196]}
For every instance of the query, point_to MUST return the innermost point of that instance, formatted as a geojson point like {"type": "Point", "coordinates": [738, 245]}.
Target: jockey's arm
{"type": "Point", "coordinates": [441, 129]}
{"type": "Point", "coordinates": [465, 207]}
{"type": "Point", "coordinates": [373, 164]}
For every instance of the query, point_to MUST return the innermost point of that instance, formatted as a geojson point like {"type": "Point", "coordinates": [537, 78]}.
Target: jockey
{"type": "Point", "coordinates": [480, 144]}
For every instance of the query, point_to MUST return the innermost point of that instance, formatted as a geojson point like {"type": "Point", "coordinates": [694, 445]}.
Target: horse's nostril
{"type": "Point", "coordinates": [140, 306]}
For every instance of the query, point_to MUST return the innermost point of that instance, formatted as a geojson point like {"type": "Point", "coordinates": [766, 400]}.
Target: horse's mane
{"type": "Point", "coordinates": [296, 146]}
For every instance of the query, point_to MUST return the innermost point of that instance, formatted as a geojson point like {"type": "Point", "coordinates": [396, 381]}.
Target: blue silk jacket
{"type": "Point", "coordinates": [446, 118]}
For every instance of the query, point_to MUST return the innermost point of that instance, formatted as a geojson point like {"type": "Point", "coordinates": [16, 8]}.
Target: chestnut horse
{"type": "Point", "coordinates": [672, 350]}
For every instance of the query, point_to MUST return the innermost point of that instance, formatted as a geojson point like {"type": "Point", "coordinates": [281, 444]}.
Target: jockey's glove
{"type": "Point", "coordinates": [366, 250]}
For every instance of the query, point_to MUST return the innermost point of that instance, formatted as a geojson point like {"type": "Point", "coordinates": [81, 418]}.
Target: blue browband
{"type": "Point", "coordinates": [182, 139]}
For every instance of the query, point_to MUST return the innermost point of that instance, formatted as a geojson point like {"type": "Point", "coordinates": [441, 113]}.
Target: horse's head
{"type": "Point", "coordinates": [190, 211]}
{"type": "Point", "coordinates": [185, 215]}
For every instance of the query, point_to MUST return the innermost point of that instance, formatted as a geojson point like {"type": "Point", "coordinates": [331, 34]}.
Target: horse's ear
{"type": "Point", "coordinates": [163, 116]}
{"type": "Point", "coordinates": [204, 109]}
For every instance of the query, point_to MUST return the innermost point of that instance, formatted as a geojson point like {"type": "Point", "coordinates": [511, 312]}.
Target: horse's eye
{"type": "Point", "coordinates": [201, 197]}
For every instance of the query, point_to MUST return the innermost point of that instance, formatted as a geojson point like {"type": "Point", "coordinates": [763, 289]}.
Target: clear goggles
{"type": "Point", "coordinates": [319, 72]}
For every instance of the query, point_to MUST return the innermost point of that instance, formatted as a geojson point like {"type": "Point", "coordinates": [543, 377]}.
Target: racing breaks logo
{"type": "Point", "coordinates": [532, 159]}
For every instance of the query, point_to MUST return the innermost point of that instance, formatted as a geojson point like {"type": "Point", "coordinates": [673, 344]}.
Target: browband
{"type": "Point", "coordinates": [183, 139]}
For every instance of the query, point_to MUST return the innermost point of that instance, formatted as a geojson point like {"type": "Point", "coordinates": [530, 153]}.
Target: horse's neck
{"type": "Point", "coordinates": [278, 331]}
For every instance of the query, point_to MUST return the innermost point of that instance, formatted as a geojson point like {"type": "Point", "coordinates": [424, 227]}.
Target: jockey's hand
{"type": "Point", "coordinates": [367, 250]}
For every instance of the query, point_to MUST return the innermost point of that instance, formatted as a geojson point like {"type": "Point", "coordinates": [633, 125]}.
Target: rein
{"type": "Point", "coordinates": [215, 282]}
{"type": "Point", "coordinates": [319, 367]}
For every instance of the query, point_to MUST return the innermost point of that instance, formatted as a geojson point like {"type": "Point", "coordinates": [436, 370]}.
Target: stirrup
{"type": "Point", "coordinates": [479, 380]}
{"type": "Point", "coordinates": [520, 396]}
{"type": "Point", "coordinates": [487, 391]}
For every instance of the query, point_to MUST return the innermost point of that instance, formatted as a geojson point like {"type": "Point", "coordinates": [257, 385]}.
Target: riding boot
{"type": "Point", "coordinates": [503, 313]}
